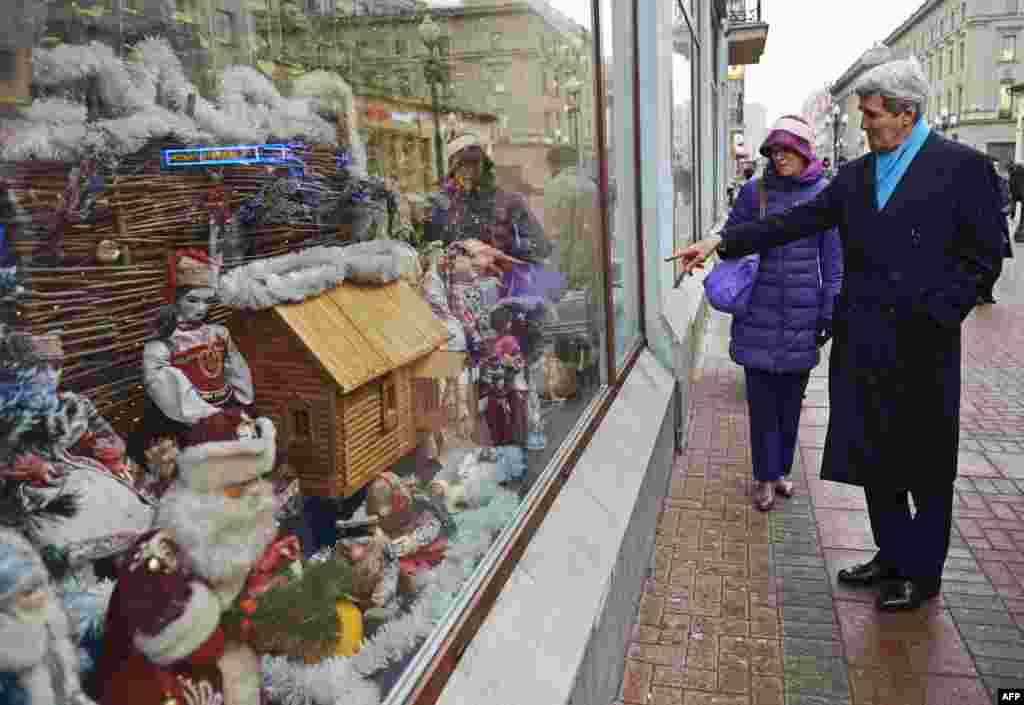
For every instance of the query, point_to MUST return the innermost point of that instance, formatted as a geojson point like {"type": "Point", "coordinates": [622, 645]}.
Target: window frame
{"type": "Point", "coordinates": [1005, 99]}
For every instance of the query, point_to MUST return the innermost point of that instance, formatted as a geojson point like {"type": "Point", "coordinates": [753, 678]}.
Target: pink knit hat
{"type": "Point", "coordinates": [793, 132]}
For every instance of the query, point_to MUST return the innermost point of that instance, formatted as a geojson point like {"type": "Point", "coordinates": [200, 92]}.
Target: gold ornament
{"type": "Point", "coordinates": [350, 629]}
{"type": "Point", "coordinates": [170, 700]}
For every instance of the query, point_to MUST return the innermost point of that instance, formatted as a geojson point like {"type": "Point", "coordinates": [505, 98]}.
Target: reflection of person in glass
{"type": "Point", "coordinates": [474, 207]}
{"type": "Point", "coordinates": [572, 211]}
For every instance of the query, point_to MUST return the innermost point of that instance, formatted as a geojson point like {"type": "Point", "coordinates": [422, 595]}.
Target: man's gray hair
{"type": "Point", "coordinates": [901, 84]}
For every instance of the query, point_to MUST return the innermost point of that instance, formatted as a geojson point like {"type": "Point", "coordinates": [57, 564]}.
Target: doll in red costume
{"type": "Point", "coordinates": [192, 369]}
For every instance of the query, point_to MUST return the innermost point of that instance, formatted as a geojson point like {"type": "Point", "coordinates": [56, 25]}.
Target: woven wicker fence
{"type": "Point", "coordinates": [105, 314]}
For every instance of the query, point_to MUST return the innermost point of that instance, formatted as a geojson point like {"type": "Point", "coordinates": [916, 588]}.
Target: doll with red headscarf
{"type": "Point", "coordinates": [192, 369]}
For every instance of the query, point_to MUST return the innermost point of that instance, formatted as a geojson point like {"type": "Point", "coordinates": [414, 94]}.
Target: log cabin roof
{"type": "Point", "coordinates": [359, 332]}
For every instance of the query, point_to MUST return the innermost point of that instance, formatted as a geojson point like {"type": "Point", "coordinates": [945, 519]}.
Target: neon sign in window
{"type": "Point", "coordinates": [236, 154]}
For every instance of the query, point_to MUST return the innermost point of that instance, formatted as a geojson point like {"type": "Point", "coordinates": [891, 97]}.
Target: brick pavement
{"type": "Point", "coordinates": [742, 608]}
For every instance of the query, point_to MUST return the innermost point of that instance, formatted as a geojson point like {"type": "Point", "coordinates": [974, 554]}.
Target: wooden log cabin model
{"type": "Point", "coordinates": [258, 429]}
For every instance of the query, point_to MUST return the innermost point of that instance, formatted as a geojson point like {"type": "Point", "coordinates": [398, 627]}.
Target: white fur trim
{"type": "Point", "coordinates": [293, 278]}
{"type": "Point", "coordinates": [212, 466]}
{"type": "Point", "coordinates": [241, 675]}
{"type": "Point", "coordinates": [185, 634]}
{"type": "Point", "coordinates": [22, 644]}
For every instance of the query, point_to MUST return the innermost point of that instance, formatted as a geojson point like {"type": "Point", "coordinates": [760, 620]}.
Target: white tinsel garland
{"type": "Point", "coordinates": [293, 278]}
{"type": "Point", "coordinates": [332, 98]}
{"type": "Point", "coordinates": [146, 97]}
{"type": "Point", "coordinates": [346, 681]}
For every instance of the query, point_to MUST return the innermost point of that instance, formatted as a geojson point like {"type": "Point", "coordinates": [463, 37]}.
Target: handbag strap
{"type": "Point", "coordinates": [762, 195]}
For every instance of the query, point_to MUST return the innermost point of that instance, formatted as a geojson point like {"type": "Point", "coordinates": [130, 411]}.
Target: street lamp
{"type": "Point", "coordinates": [573, 87]}
{"type": "Point", "coordinates": [434, 72]}
{"type": "Point", "coordinates": [837, 120]}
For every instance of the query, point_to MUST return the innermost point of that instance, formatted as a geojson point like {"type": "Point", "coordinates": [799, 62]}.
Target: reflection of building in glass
{"type": "Point", "coordinates": [514, 60]}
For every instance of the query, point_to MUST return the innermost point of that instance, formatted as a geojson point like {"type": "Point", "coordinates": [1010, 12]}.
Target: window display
{"type": "Point", "coordinates": [298, 300]}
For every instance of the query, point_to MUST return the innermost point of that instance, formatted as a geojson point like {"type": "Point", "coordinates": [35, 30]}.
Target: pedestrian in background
{"type": "Point", "coordinates": [790, 311]}
{"type": "Point", "coordinates": [1017, 196]}
{"type": "Point", "coordinates": [987, 295]}
{"type": "Point", "coordinates": [922, 231]}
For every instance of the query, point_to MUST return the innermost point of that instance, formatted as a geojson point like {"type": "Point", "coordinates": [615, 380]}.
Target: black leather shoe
{"type": "Point", "coordinates": [866, 574]}
{"type": "Point", "coordinates": [903, 595]}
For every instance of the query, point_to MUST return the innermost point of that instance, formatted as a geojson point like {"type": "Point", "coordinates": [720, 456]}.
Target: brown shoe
{"type": "Point", "coordinates": [764, 495]}
{"type": "Point", "coordinates": [784, 487]}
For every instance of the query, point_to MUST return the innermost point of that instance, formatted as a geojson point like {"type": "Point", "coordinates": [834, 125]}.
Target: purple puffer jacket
{"type": "Point", "coordinates": [796, 283]}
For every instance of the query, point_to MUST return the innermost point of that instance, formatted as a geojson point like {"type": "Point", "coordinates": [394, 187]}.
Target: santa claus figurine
{"type": "Point", "coordinates": [165, 641]}
{"type": "Point", "coordinates": [35, 641]}
{"type": "Point", "coordinates": [192, 369]}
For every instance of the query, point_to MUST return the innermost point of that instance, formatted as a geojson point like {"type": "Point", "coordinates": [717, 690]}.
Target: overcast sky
{"type": "Point", "coordinates": [812, 43]}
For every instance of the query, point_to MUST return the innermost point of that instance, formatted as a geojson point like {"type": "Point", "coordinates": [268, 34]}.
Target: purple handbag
{"type": "Point", "coordinates": [728, 286]}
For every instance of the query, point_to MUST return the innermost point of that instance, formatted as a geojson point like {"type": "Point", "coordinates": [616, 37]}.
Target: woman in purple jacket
{"type": "Point", "coordinates": [790, 313]}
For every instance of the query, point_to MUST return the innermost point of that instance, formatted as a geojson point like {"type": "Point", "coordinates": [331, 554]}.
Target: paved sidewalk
{"type": "Point", "coordinates": [742, 608]}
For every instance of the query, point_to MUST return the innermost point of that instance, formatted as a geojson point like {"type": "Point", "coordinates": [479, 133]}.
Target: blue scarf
{"type": "Point", "coordinates": [890, 166]}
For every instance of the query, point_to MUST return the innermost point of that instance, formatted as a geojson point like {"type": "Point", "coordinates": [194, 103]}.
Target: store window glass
{"type": "Point", "coordinates": [299, 300]}
{"type": "Point", "coordinates": [684, 165]}
{"type": "Point", "coordinates": [617, 47]}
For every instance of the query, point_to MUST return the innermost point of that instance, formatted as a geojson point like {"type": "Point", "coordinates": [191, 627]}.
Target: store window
{"type": "Point", "coordinates": [1005, 99]}
{"type": "Point", "coordinates": [1009, 48]}
{"type": "Point", "coordinates": [8, 64]}
{"type": "Point", "coordinates": [224, 26]}
{"type": "Point", "coordinates": [382, 232]}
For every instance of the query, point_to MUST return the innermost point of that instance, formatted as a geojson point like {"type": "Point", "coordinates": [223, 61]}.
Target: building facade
{"type": "Point", "coordinates": [971, 53]}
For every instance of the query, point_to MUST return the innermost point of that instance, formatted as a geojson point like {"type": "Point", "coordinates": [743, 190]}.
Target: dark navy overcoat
{"type": "Point", "coordinates": [912, 275]}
